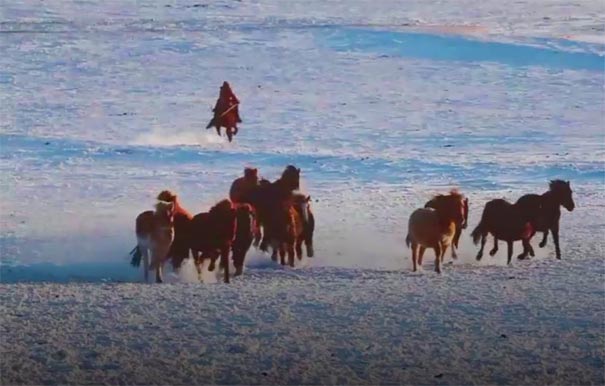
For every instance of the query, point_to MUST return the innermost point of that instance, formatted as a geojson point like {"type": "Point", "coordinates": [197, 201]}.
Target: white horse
{"type": "Point", "coordinates": [155, 233]}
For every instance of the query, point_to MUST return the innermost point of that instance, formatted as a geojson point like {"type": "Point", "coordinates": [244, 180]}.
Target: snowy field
{"type": "Point", "coordinates": [381, 104]}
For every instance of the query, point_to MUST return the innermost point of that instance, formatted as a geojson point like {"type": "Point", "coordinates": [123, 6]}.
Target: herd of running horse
{"type": "Point", "coordinates": [276, 215]}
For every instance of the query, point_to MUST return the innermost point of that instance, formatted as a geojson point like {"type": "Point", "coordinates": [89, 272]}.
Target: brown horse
{"type": "Point", "coordinates": [244, 235]}
{"type": "Point", "coordinates": [435, 227]}
{"type": "Point", "coordinates": [179, 250]}
{"type": "Point", "coordinates": [212, 234]}
{"type": "Point", "coordinates": [459, 226]}
{"type": "Point", "coordinates": [508, 222]}
{"type": "Point", "coordinates": [271, 198]}
{"type": "Point", "coordinates": [155, 233]}
{"type": "Point", "coordinates": [286, 232]}
{"type": "Point", "coordinates": [548, 210]}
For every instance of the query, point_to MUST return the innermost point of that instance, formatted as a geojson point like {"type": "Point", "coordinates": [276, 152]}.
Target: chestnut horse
{"type": "Point", "coordinates": [179, 250]}
{"type": "Point", "coordinates": [435, 227]}
{"type": "Point", "coordinates": [547, 206]}
{"type": "Point", "coordinates": [244, 235]}
{"type": "Point", "coordinates": [212, 234]}
{"type": "Point", "coordinates": [155, 233]}
{"type": "Point", "coordinates": [459, 226]}
{"type": "Point", "coordinates": [286, 232]}
{"type": "Point", "coordinates": [507, 222]}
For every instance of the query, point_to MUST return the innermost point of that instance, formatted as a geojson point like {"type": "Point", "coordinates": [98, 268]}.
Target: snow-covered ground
{"type": "Point", "coordinates": [382, 104]}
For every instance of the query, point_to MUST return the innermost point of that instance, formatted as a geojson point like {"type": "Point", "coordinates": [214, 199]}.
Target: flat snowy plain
{"type": "Point", "coordinates": [382, 104]}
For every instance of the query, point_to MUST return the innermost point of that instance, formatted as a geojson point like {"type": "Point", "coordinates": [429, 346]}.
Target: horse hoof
{"type": "Point", "coordinates": [479, 257]}
{"type": "Point", "coordinates": [542, 245]}
{"type": "Point", "coordinates": [493, 252]}
{"type": "Point", "coordinates": [559, 257]}
{"type": "Point", "coordinates": [522, 256]}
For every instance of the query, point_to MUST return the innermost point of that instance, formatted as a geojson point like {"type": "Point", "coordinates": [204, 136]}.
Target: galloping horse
{"type": "Point", "coordinates": [179, 250]}
{"type": "Point", "coordinates": [212, 234]}
{"type": "Point", "coordinates": [155, 233]}
{"type": "Point", "coordinates": [242, 191]}
{"type": "Point", "coordinates": [265, 196]}
{"type": "Point", "coordinates": [302, 205]}
{"type": "Point", "coordinates": [508, 222]}
{"type": "Point", "coordinates": [547, 206]}
{"type": "Point", "coordinates": [459, 226]}
{"type": "Point", "coordinates": [226, 112]}
{"type": "Point", "coordinates": [245, 232]}
{"type": "Point", "coordinates": [435, 227]}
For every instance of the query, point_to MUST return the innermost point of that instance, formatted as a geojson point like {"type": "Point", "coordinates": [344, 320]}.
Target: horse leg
{"type": "Point", "coordinates": [229, 134]}
{"type": "Point", "coordinates": [526, 248]}
{"type": "Point", "coordinates": [543, 242]}
{"type": "Point", "coordinates": [197, 260]}
{"type": "Point", "coordinates": [421, 250]}
{"type": "Point", "coordinates": [555, 238]}
{"type": "Point", "coordinates": [158, 273]}
{"type": "Point", "coordinates": [218, 130]}
{"type": "Point", "coordinates": [225, 262]}
{"type": "Point", "coordinates": [455, 242]}
{"type": "Point", "coordinates": [291, 254]}
{"type": "Point", "coordinates": [438, 256]}
{"type": "Point", "coordinates": [495, 248]}
{"type": "Point", "coordinates": [414, 257]}
{"type": "Point", "coordinates": [145, 253]}
{"type": "Point", "coordinates": [509, 243]}
{"type": "Point", "coordinates": [299, 252]}
{"type": "Point", "coordinates": [483, 240]}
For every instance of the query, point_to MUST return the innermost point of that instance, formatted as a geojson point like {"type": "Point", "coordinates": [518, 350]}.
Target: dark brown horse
{"type": "Point", "coordinates": [435, 227]}
{"type": "Point", "coordinates": [267, 197]}
{"type": "Point", "coordinates": [547, 206]}
{"type": "Point", "coordinates": [244, 235]}
{"type": "Point", "coordinates": [507, 222]}
{"type": "Point", "coordinates": [285, 230]}
{"type": "Point", "coordinates": [459, 226]}
{"type": "Point", "coordinates": [212, 234]}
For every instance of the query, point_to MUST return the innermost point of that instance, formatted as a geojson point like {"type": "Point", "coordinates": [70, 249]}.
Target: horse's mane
{"type": "Point", "coordinates": [167, 195]}
{"type": "Point", "coordinates": [223, 206]}
{"type": "Point", "coordinates": [554, 184]}
{"type": "Point", "coordinates": [163, 205]}
{"type": "Point", "coordinates": [289, 171]}
{"type": "Point", "coordinates": [454, 193]}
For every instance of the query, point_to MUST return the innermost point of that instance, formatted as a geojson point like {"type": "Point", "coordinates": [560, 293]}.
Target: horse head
{"type": "Point", "coordinates": [167, 196]}
{"type": "Point", "coordinates": [291, 177]}
{"type": "Point", "coordinates": [451, 207]}
{"type": "Point", "coordinates": [302, 204]}
{"type": "Point", "coordinates": [563, 193]}
{"type": "Point", "coordinates": [164, 213]}
{"type": "Point", "coordinates": [223, 214]}
{"type": "Point", "coordinates": [245, 217]}
{"type": "Point", "coordinates": [251, 175]}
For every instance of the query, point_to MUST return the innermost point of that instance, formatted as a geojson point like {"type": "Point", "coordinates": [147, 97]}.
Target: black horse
{"type": "Point", "coordinates": [548, 210]}
{"type": "Point", "coordinates": [507, 222]}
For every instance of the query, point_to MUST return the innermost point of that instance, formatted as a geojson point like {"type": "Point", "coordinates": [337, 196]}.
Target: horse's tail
{"type": "Point", "coordinates": [408, 240]}
{"type": "Point", "coordinates": [136, 256]}
{"type": "Point", "coordinates": [211, 123]}
{"type": "Point", "coordinates": [478, 232]}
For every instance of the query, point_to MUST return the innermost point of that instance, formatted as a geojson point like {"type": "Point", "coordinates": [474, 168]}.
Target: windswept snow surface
{"type": "Point", "coordinates": [382, 104]}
